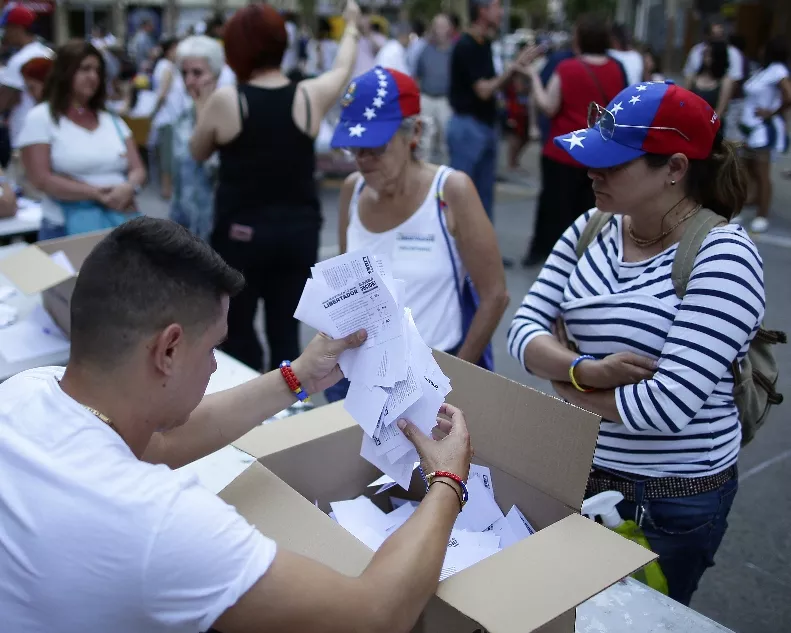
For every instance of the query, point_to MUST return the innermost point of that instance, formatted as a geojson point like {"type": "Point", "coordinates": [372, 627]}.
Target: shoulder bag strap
{"type": "Point", "coordinates": [120, 133]}
{"type": "Point", "coordinates": [441, 204]}
{"type": "Point", "coordinates": [594, 226]}
{"type": "Point", "coordinates": [698, 228]}
{"type": "Point", "coordinates": [593, 76]}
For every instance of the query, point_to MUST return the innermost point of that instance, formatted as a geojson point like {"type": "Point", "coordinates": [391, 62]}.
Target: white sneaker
{"type": "Point", "coordinates": [737, 219]}
{"type": "Point", "coordinates": [759, 225]}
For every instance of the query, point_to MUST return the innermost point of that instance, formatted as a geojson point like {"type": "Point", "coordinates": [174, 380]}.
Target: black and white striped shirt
{"type": "Point", "coordinates": [682, 422]}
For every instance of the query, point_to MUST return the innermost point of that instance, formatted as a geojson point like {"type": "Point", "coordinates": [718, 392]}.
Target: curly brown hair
{"type": "Point", "coordinates": [67, 62]}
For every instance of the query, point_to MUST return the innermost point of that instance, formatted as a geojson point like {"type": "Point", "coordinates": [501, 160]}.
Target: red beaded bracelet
{"type": "Point", "coordinates": [448, 475]}
{"type": "Point", "coordinates": [292, 381]}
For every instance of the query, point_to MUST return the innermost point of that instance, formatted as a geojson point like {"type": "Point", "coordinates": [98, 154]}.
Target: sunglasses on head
{"type": "Point", "coordinates": [605, 120]}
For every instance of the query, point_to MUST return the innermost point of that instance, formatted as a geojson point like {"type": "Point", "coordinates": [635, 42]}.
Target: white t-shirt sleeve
{"type": "Point", "coordinates": [203, 559]}
{"type": "Point", "coordinates": [12, 74]}
{"type": "Point", "coordinates": [735, 64]}
{"type": "Point", "coordinates": [38, 127]}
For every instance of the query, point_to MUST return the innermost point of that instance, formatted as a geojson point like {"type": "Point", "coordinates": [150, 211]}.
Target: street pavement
{"type": "Point", "coordinates": [748, 590]}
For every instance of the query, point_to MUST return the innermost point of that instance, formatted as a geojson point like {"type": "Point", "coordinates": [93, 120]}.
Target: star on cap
{"type": "Point", "coordinates": [634, 99]}
{"type": "Point", "coordinates": [382, 82]}
{"type": "Point", "coordinates": [574, 140]}
{"type": "Point", "coordinates": [381, 92]}
{"type": "Point", "coordinates": [378, 102]}
{"type": "Point", "coordinates": [357, 130]}
{"type": "Point", "coordinates": [642, 88]}
{"type": "Point", "coordinates": [617, 108]}
{"type": "Point", "coordinates": [369, 113]}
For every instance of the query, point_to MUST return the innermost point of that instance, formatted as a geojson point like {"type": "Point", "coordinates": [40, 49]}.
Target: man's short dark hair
{"type": "Point", "coordinates": [593, 34]}
{"type": "Point", "coordinates": [475, 8]}
{"type": "Point", "coordinates": [621, 36]}
{"type": "Point", "coordinates": [145, 275]}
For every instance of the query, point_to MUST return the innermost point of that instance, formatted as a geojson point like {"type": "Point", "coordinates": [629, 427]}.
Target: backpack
{"type": "Point", "coordinates": [755, 379]}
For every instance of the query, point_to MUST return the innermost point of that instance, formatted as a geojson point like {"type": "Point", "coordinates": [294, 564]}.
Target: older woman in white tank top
{"type": "Point", "coordinates": [427, 219]}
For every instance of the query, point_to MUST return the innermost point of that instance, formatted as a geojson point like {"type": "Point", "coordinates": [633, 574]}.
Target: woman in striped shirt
{"type": "Point", "coordinates": [655, 367]}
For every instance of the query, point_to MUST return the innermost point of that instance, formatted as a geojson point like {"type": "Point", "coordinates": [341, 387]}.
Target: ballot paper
{"type": "Point", "coordinates": [393, 375]}
{"type": "Point", "coordinates": [480, 530]}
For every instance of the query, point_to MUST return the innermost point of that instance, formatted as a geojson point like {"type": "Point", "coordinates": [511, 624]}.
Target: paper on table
{"type": "Point", "coordinates": [62, 260]}
{"type": "Point", "coordinates": [365, 405]}
{"type": "Point", "coordinates": [6, 292]}
{"type": "Point", "coordinates": [8, 315]}
{"type": "Point", "coordinates": [480, 511]}
{"type": "Point", "coordinates": [32, 338]}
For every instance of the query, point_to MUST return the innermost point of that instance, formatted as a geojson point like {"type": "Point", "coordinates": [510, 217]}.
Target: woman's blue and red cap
{"type": "Point", "coordinates": [374, 105]}
{"type": "Point", "coordinates": [637, 108]}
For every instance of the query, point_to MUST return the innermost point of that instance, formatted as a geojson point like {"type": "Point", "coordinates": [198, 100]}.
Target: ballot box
{"type": "Point", "coordinates": [538, 450]}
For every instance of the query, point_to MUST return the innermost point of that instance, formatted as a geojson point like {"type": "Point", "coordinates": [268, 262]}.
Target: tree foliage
{"type": "Point", "coordinates": [574, 8]}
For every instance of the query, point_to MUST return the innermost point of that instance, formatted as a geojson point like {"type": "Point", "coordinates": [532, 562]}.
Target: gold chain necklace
{"type": "Point", "coordinates": [102, 417]}
{"type": "Point", "coordinates": [650, 242]}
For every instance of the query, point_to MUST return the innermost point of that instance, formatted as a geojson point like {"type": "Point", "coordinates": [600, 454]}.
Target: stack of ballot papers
{"type": "Point", "coordinates": [393, 375]}
{"type": "Point", "coordinates": [480, 530]}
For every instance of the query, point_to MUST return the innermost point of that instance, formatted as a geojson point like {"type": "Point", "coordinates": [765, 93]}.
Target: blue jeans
{"type": "Point", "coordinates": [685, 531]}
{"type": "Point", "coordinates": [49, 230]}
{"type": "Point", "coordinates": [473, 149]}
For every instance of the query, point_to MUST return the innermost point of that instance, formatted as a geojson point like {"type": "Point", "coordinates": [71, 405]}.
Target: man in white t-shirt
{"type": "Point", "coordinates": [622, 51]}
{"type": "Point", "coordinates": [13, 96]}
{"type": "Point", "coordinates": [99, 534]}
{"type": "Point", "coordinates": [393, 52]}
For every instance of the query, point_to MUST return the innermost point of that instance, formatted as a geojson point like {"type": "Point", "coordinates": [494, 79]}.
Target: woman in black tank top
{"type": "Point", "coordinates": [267, 212]}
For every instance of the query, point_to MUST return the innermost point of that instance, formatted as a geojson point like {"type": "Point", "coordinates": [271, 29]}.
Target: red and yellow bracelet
{"type": "Point", "coordinates": [463, 497]}
{"type": "Point", "coordinates": [292, 381]}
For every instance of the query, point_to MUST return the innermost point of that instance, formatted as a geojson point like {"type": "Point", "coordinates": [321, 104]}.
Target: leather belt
{"type": "Point", "coordinates": [657, 487]}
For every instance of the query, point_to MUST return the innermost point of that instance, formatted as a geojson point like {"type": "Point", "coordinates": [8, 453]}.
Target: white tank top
{"type": "Point", "coordinates": [419, 255]}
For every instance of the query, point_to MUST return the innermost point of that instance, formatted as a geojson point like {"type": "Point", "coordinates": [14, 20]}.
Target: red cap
{"type": "Point", "coordinates": [20, 16]}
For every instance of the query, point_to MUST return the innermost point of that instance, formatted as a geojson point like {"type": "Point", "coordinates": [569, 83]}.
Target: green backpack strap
{"type": "Point", "coordinates": [698, 228]}
{"type": "Point", "coordinates": [594, 226]}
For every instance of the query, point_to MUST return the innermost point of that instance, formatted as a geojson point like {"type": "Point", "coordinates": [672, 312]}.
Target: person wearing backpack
{"type": "Point", "coordinates": [648, 312]}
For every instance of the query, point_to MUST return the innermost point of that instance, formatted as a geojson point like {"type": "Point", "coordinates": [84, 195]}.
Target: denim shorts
{"type": "Point", "coordinates": [684, 531]}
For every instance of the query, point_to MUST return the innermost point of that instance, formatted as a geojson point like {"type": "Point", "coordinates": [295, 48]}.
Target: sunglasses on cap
{"type": "Point", "coordinates": [606, 122]}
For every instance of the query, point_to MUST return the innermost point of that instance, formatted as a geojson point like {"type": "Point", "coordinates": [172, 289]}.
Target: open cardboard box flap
{"type": "Point", "coordinates": [540, 450]}
{"type": "Point", "coordinates": [539, 439]}
{"type": "Point", "coordinates": [32, 271]}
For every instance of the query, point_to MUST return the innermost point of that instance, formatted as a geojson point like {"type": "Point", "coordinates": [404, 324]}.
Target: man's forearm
{"type": "Point", "coordinates": [404, 573]}
{"type": "Point", "coordinates": [220, 419]}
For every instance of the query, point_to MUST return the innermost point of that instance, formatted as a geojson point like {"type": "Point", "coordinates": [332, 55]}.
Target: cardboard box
{"type": "Point", "coordinates": [540, 451]}
{"type": "Point", "coordinates": [32, 271]}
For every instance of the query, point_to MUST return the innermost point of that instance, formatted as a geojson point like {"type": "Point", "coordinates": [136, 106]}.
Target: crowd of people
{"type": "Point", "coordinates": [632, 166]}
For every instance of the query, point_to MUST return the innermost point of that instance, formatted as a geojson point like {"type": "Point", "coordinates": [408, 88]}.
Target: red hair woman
{"type": "Point", "coordinates": [267, 213]}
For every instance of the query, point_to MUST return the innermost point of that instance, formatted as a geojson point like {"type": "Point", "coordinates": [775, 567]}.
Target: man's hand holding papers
{"type": "Point", "coordinates": [393, 374]}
